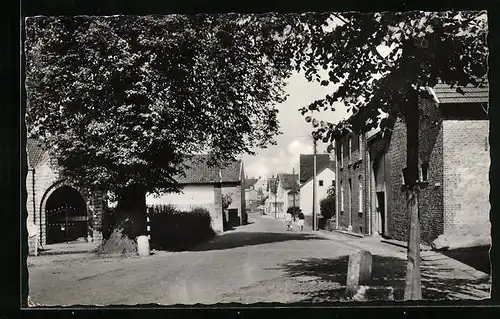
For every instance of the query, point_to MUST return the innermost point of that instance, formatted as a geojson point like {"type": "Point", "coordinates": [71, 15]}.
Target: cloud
{"type": "Point", "coordinates": [295, 140]}
{"type": "Point", "coordinates": [283, 161]}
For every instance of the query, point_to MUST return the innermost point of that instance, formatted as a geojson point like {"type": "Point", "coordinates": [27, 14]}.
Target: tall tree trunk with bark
{"type": "Point", "coordinates": [413, 288]}
{"type": "Point", "coordinates": [129, 221]}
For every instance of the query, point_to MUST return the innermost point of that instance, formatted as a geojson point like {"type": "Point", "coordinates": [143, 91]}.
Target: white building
{"type": "Point", "coordinates": [324, 179]}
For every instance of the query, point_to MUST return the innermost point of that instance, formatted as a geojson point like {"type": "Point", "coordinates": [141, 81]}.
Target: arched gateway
{"type": "Point", "coordinates": [66, 215]}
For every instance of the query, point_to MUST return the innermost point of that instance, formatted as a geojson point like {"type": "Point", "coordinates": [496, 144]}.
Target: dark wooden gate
{"type": "Point", "coordinates": [234, 220]}
{"type": "Point", "coordinates": [65, 223]}
{"type": "Point", "coordinates": [66, 216]}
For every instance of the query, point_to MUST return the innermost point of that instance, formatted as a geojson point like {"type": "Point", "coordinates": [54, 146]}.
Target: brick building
{"type": "Point", "coordinates": [454, 163]}
{"type": "Point", "coordinates": [351, 183]}
{"type": "Point", "coordinates": [60, 211]}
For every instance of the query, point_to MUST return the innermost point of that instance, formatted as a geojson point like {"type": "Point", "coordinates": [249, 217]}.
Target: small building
{"type": "Point", "coordinates": [59, 210]}
{"type": "Point", "coordinates": [251, 198]}
{"type": "Point", "coordinates": [271, 204]}
{"type": "Point", "coordinates": [203, 186]}
{"type": "Point", "coordinates": [325, 177]}
{"type": "Point", "coordinates": [288, 184]}
{"type": "Point", "coordinates": [251, 194]}
{"type": "Point", "coordinates": [454, 163]}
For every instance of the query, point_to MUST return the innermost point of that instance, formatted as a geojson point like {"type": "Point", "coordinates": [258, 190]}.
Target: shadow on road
{"type": "Point", "coordinates": [242, 239]}
{"type": "Point", "coordinates": [386, 272]}
{"type": "Point", "coordinates": [476, 257]}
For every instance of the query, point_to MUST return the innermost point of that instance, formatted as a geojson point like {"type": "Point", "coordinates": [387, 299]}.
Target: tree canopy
{"type": "Point", "coordinates": [421, 49]}
{"type": "Point", "coordinates": [122, 100]}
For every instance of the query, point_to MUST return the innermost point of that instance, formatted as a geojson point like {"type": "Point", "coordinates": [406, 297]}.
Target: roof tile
{"type": "Point", "coordinates": [468, 94]}
{"type": "Point", "coordinates": [307, 165]}
{"type": "Point", "coordinates": [199, 172]}
{"type": "Point", "coordinates": [35, 150]}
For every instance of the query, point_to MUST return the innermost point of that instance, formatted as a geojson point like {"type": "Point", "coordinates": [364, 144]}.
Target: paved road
{"type": "Point", "coordinates": [260, 262]}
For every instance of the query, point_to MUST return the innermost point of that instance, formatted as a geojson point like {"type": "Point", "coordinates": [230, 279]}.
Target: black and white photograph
{"type": "Point", "coordinates": [295, 158]}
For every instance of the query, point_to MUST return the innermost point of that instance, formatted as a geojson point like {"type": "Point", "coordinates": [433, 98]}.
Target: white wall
{"type": "Point", "coordinates": [191, 196]}
{"type": "Point", "coordinates": [306, 191]}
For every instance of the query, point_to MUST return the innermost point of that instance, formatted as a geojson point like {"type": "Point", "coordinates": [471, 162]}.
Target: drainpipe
{"type": "Point", "coordinates": [368, 180]}
{"type": "Point", "coordinates": [33, 194]}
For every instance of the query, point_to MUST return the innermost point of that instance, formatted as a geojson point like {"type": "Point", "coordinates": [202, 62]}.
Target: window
{"type": "Point", "coordinates": [341, 197]}
{"type": "Point", "coordinates": [349, 148]}
{"type": "Point", "coordinates": [424, 172]}
{"type": "Point", "coordinates": [349, 194]}
{"type": "Point", "coordinates": [321, 183]}
{"type": "Point", "coordinates": [360, 194]}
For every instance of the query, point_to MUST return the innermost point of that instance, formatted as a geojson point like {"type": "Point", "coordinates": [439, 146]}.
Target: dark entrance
{"type": "Point", "coordinates": [381, 212]}
{"type": "Point", "coordinates": [66, 214]}
{"type": "Point", "coordinates": [234, 220]}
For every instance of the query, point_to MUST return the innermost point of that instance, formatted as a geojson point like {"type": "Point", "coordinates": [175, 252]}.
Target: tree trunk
{"type": "Point", "coordinates": [413, 288]}
{"type": "Point", "coordinates": [129, 221]}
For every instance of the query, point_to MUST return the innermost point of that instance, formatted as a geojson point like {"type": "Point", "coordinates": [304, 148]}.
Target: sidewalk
{"type": "Point", "coordinates": [439, 272]}
{"type": "Point", "coordinates": [68, 248]}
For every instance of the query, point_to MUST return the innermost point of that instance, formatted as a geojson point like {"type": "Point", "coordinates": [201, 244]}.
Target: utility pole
{"type": "Point", "coordinates": [275, 183]}
{"type": "Point", "coordinates": [314, 185]}
{"type": "Point", "coordinates": [293, 177]}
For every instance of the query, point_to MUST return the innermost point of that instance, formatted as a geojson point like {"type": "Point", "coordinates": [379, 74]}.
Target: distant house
{"type": "Point", "coordinates": [306, 169]}
{"type": "Point", "coordinates": [280, 197]}
{"type": "Point", "coordinates": [325, 177]}
{"type": "Point", "coordinates": [251, 198]}
{"type": "Point", "coordinates": [454, 163]}
{"type": "Point", "coordinates": [204, 186]}
{"type": "Point", "coordinates": [60, 211]}
{"type": "Point", "coordinates": [251, 194]}
{"type": "Point", "coordinates": [288, 184]}
{"type": "Point", "coordinates": [272, 205]}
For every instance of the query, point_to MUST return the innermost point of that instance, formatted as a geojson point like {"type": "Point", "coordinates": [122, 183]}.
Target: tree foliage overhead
{"type": "Point", "coordinates": [424, 48]}
{"type": "Point", "coordinates": [123, 99]}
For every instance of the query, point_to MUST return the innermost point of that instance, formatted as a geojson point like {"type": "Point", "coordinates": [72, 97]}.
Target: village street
{"type": "Point", "coordinates": [259, 262]}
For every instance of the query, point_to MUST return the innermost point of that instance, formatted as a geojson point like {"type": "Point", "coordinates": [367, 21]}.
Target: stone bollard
{"type": "Point", "coordinates": [359, 270]}
{"type": "Point", "coordinates": [143, 245]}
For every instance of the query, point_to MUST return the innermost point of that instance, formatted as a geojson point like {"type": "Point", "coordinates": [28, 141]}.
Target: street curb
{"type": "Point", "coordinates": [343, 232]}
{"type": "Point", "coordinates": [403, 244]}
{"type": "Point", "coordinates": [56, 253]}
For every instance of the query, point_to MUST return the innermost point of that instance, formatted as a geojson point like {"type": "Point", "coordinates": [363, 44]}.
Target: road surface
{"type": "Point", "coordinates": [259, 262]}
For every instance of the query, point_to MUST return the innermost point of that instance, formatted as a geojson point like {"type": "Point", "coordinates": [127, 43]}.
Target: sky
{"type": "Point", "coordinates": [296, 138]}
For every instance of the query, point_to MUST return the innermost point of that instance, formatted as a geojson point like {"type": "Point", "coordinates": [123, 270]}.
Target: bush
{"type": "Point", "coordinates": [327, 207]}
{"type": "Point", "coordinates": [172, 229]}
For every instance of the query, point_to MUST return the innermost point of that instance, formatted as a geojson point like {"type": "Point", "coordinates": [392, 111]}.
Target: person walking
{"type": "Point", "coordinates": [301, 220]}
{"type": "Point", "coordinates": [288, 220]}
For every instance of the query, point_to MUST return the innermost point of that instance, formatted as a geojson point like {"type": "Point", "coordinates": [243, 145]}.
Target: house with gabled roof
{"type": "Point", "coordinates": [280, 190]}
{"type": "Point", "coordinates": [325, 178]}
{"type": "Point", "coordinates": [288, 185]}
{"type": "Point", "coordinates": [203, 185]}
{"type": "Point", "coordinates": [454, 163]}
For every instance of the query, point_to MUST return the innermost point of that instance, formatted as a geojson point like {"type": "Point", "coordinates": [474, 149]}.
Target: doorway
{"type": "Point", "coordinates": [66, 216]}
{"type": "Point", "coordinates": [381, 213]}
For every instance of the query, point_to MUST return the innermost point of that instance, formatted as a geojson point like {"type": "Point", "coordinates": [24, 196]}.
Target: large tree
{"type": "Point", "coordinates": [123, 100]}
{"type": "Point", "coordinates": [424, 48]}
